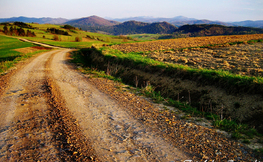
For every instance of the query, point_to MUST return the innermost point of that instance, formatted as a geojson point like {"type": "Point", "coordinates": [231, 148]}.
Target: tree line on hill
{"type": "Point", "coordinates": [132, 27]}
{"type": "Point", "coordinates": [57, 31]}
{"type": "Point", "coordinates": [171, 31]}
{"type": "Point", "coordinates": [23, 25]}
{"type": "Point", "coordinates": [16, 29]}
{"type": "Point", "coordinates": [18, 32]}
{"type": "Point", "coordinates": [198, 30]}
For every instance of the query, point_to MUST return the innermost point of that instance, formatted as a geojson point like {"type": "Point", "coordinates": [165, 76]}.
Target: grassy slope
{"type": "Point", "coordinates": [69, 41]}
{"type": "Point", "coordinates": [7, 46]}
{"type": "Point", "coordinates": [145, 37]}
{"type": "Point", "coordinates": [8, 56]}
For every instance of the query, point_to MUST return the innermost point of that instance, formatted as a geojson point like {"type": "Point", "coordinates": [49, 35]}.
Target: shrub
{"type": "Point", "coordinates": [68, 27]}
{"type": "Point", "coordinates": [56, 38]}
{"type": "Point", "coordinates": [77, 39]}
{"type": "Point", "coordinates": [57, 31]}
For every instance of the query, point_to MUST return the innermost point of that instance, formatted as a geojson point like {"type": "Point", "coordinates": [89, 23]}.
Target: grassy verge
{"type": "Point", "coordinates": [5, 65]}
{"type": "Point", "coordinates": [211, 75]}
{"type": "Point", "coordinates": [237, 130]}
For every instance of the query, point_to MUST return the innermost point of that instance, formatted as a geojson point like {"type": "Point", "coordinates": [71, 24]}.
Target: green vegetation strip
{"type": "Point", "coordinates": [212, 75]}
{"type": "Point", "coordinates": [237, 130]}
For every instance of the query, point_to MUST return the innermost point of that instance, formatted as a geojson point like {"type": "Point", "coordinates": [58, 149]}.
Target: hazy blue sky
{"type": "Point", "coordinates": [223, 10]}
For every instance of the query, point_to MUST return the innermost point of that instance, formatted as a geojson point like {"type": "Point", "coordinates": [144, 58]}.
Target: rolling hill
{"type": "Point", "coordinates": [134, 27]}
{"type": "Point", "coordinates": [248, 23]}
{"type": "Point", "coordinates": [92, 21]}
{"type": "Point", "coordinates": [213, 30]}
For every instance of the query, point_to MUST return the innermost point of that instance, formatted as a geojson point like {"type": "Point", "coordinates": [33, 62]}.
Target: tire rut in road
{"type": "Point", "coordinates": [34, 126]}
{"type": "Point", "coordinates": [23, 116]}
{"type": "Point", "coordinates": [70, 142]}
{"type": "Point", "coordinates": [114, 134]}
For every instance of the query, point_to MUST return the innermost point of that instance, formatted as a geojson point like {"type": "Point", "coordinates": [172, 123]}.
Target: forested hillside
{"type": "Point", "coordinates": [135, 27]}
{"type": "Point", "coordinates": [213, 30]}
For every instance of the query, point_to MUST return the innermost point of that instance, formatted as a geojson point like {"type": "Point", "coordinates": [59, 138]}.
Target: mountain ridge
{"type": "Point", "coordinates": [177, 21]}
{"type": "Point", "coordinates": [199, 30]}
{"type": "Point", "coordinates": [43, 20]}
{"type": "Point", "coordinates": [134, 27]}
{"type": "Point", "coordinates": [91, 21]}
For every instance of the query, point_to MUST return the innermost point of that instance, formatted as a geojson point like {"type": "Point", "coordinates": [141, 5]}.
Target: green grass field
{"type": "Point", "coordinates": [145, 37]}
{"type": "Point", "coordinates": [7, 46]}
{"type": "Point", "coordinates": [8, 56]}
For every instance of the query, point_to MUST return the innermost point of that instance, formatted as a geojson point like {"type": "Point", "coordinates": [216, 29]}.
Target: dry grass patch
{"type": "Point", "coordinates": [86, 40]}
{"type": "Point", "coordinates": [26, 50]}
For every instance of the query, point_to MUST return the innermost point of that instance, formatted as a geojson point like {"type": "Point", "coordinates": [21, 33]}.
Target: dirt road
{"type": "Point", "coordinates": [49, 112]}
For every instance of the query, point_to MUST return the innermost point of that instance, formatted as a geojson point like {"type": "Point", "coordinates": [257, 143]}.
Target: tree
{"type": "Point", "coordinates": [15, 32]}
{"type": "Point", "coordinates": [68, 27]}
{"type": "Point", "coordinates": [21, 32]}
{"type": "Point", "coordinates": [5, 29]}
{"type": "Point", "coordinates": [77, 39]}
{"type": "Point", "coordinates": [11, 30]}
{"type": "Point", "coordinates": [56, 38]}
{"type": "Point", "coordinates": [30, 34]}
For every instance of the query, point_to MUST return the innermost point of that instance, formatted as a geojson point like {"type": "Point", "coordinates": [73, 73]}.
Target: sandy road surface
{"type": "Point", "coordinates": [49, 112]}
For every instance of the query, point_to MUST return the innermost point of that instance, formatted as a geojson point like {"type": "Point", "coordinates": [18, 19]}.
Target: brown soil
{"type": "Point", "coordinates": [244, 59]}
{"type": "Point", "coordinates": [50, 112]}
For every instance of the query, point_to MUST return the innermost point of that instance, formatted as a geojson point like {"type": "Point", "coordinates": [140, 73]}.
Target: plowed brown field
{"type": "Point", "coordinates": [183, 43]}
{"type": "Point", "coordinates": [244, 59]}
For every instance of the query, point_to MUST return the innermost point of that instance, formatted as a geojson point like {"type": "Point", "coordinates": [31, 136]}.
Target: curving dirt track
{"type": "Point", "coordinates": [50, 112]}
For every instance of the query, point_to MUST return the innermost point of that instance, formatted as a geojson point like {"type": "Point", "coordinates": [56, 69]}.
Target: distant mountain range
{"type": "Point", "coordinates": [98, 21]}
{"type": "Point", "coordinates": [181, 20]}
{"type": "Point", "coordinates": [177, 27]}
{"type": "Point", "coordinates": [44, 20]}
{"type": "Point", "coordinates": [152, 19]}
{"type": "Point", "coordinates": [177, 21]}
